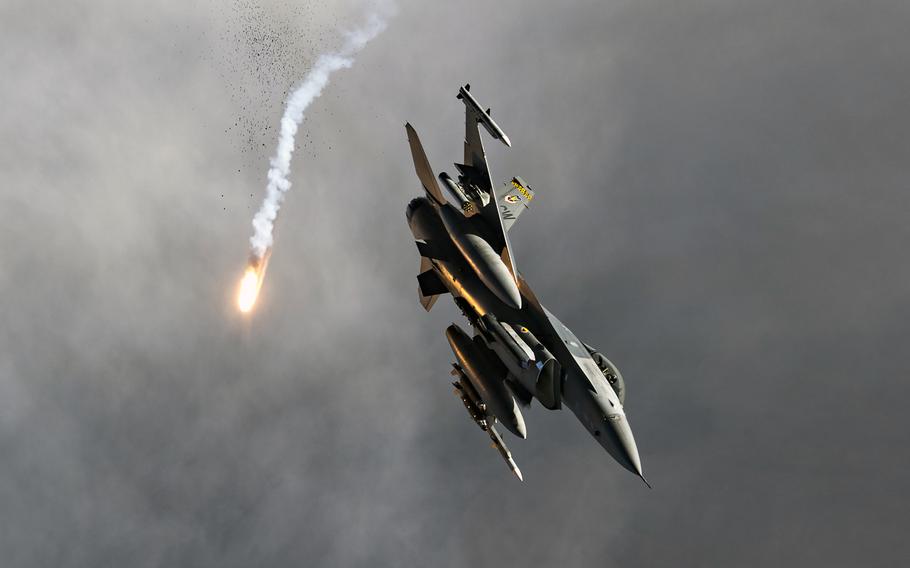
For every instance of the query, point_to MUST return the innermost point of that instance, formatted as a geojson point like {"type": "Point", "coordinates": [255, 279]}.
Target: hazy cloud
{"type": "Point", "coordinates": [722, 209]}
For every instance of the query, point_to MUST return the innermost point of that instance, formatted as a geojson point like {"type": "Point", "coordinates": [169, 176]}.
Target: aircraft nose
{"type": "Point", "coordinates": [616, 437]}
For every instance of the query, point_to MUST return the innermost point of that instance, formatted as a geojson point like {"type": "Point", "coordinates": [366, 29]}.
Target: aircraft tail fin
{"type": "Point", "coordinates": [514, 197]}
{"type": "Point", "coordinates": [499, 215]}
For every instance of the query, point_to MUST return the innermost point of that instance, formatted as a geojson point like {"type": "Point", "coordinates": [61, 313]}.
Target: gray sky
{"type": "Point", "coordinates": [722, 209]}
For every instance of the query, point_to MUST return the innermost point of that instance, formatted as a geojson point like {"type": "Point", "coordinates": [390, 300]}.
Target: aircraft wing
{"type": "Point", "coordinates": [422, 166]}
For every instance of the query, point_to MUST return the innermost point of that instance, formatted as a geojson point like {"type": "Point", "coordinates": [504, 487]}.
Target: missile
{"type": "Point", "coordinates": [503, 450]}
{"type": "Point", "coordinates": [483, 116]}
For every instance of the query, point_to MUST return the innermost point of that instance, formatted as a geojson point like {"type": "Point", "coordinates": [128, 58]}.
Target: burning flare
{"type": "Point", "coordinates": [280, 164]}
{"type": "Point", "coordinates": [251, 282]}
{"type": "Point", "coordinates": [249, 290]}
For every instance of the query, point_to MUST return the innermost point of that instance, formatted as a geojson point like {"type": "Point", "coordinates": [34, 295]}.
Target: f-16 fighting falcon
{"type": "Point", "coordinates": [517, 350]}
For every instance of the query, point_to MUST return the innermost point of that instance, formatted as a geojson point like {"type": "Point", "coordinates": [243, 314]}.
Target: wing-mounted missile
{"type": "Point", "coordinates": [503, 450]}
{"type": "Point", "coordinates": [482, 116]}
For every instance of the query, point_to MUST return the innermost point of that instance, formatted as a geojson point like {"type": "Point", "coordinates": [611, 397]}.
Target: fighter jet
{"type": "Point", "coordinates": [517, 350]}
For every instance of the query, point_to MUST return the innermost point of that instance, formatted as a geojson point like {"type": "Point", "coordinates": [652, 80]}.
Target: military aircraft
{"type": "Point", "coordinates": [518, 350]}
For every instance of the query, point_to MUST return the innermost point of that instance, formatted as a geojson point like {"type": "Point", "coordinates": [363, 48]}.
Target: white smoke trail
{"type": "Point", "coordinates": [308, 91]}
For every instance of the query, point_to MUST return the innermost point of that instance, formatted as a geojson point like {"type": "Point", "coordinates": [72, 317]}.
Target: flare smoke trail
{"type": "Point", "coordinates": [297, 103]}
{"type": "Point", "coordinates": [280, 164]}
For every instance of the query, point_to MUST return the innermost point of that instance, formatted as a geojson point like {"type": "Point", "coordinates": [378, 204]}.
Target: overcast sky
{"type": "Point", "coordinates": [722, 208]}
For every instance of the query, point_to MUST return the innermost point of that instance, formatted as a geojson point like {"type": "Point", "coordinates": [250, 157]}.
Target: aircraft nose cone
{"type": "Point", "coordinates": [602, 416]}
{"type": "Point", "coordinates": [616, 437]}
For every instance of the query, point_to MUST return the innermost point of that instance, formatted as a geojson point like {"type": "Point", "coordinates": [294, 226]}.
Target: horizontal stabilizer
{"type": "Point", "coordinates": [430, 283]}
{"type": "Point", "coordinates": [428, 287]}
{"type": "Point", "coordinates": [428, 301]}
